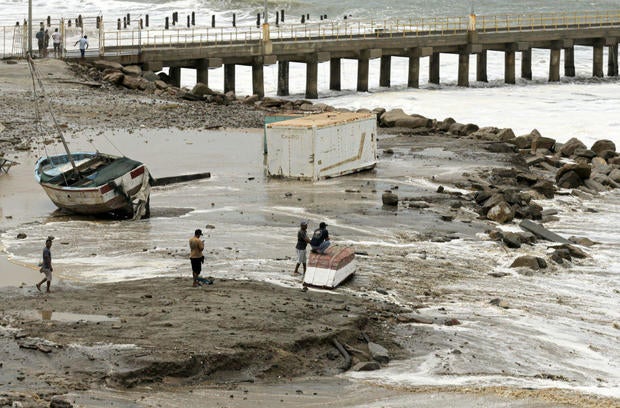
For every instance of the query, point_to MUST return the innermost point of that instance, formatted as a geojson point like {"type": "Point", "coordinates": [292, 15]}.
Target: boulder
{"type": "Point", "coordinates": [133, 70]}
{"type": "Point", "coordinates": [445, 124]}
{"type": "Point", "coordinates": [511, 239]}
{"type": "Point", "coordinates": [594, 185]}
{"type": "Point", "coordinates": [131, 82]}
{"type": "Point", "coordinates": [102, 65]}
{"type": "Point", "coordinates": [389, 118]}
{"type": "Point", "coordinates": [528, 261]}
{"type": "Point", "coordinates": [586, 153]}
{"type": "Point", "coordinates": [568, 148]}
{"type": "Point", "coordinates": [161, 84]}
{"type": "Point", "coordinates": [505, 135]}
{"type": "Point", "coordinates": [583, 241]}
{"type": "Point", "coordinates": [500, 303]}
{"type": "Point", "coordinates": [366, 366]}
{"type": "Point", "coordinates": [583, 171]}
{"type": "Point", "coordinates": [201, 90]}
{"type": "Point", "coordinates": [309, 107]}
{"type": "Point", "coordinates": [269, 102]}
{"type": "Point", "coordinates": [602, 145]}
{"type": "Point", "coordinates": [501, 213]}
{"type": "Point", "coordinates": [540, 142]}
{"type": "Point", "coordinates": [413, 122]}
{"type": "Point", "coordinates": [570, 180]}
{"type": "Point", "coordinates": [573, 250]}
{"type": "Point", "coordinates": [615, 175]}
{"type": "Point", "coordinates": [250, 100]}
{"type": "Point", "coordinates": [60, 402]}
{"type": "Point", "coordinates": [522, 142]}
{"type": "Point", "coordinates": [114, 77]}
{"type": "Point", "coordinates": [545, 188]}
{"type": "Point", "coordinates": [378, 352]}
{"type": "Point", "coordinates": [150, 76]}
{"type": "Point", "coordinates": [457, 129]}
{"type": "Point", "coordinates": [390, 199]}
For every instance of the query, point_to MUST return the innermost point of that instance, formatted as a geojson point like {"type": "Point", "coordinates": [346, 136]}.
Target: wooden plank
{"type": "Point", "coordinates": [6, 164]}
{"type": "Point", "coordinates": [164, 181]}
{"type": "Point", "coordinates": [542, 232]}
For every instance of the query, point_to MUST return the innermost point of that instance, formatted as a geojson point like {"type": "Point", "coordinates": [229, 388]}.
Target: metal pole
{"type": "Point", "coordinates": [30, 27]}
{"type": "Point", "coordinates": [266, 15]}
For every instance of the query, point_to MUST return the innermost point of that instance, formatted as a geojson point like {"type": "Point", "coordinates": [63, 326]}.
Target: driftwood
{"type": "Point", "coordinates": [164, 181]}
{"type": "Point", "coordinates": [347, 357]}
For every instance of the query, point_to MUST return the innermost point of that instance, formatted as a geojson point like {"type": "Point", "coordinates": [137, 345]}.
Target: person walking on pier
{"type": "Point", "coordinates": [46, 268]}
{"type": "Point", "coordinates": [83, 45]}
{"type": "Point", "coordinates": [56, 41]}
{"type": "Point", "coordinates": [41, 42]}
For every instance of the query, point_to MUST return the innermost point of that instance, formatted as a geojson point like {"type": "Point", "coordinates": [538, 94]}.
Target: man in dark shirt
{"type": "Point", "coordinates": [302, 242]}
{"type": "Point", "coordinates": [46, 268]}
{"type": "Point", "coordinates": [320, 239]}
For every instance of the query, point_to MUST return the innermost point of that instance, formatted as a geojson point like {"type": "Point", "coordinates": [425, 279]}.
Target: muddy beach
{"type": "Point", "coordinates": [253, 337]}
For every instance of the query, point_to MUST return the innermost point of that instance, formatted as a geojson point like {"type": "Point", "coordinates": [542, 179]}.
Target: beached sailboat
{"type": "Point", "coordinates": [93, 183]}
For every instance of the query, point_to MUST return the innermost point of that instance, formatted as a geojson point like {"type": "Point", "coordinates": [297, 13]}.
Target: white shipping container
{"type": "Point", "coordinates": [324, 145]}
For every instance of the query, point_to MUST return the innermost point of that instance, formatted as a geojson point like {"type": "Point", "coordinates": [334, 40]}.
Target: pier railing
{"type": "Point", "coordinates": [133, 40]}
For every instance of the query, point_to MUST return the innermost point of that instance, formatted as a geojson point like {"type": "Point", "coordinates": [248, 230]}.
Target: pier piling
{"type": "Point", "coordinates": [433, 68]}
{"type": "Point", "coordinates": [229, 77]}
{"type": "Point", "coordinates": [526, 64]}
{"type": "Point", "coordinates": [283, 78]}
{"type": "Point", "coordinates": [481, 67]}
{"type": "Point", "coordinates": [334, 74]}
{"type": "Point", "coordinates": [384, 73]}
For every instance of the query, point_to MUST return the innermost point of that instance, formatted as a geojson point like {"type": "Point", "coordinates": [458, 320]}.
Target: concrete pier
{"type": "Point", "coordinates": [597, 59]}
{"type": "Point", "coordinates": [334, 74]}
{"type": "Point", "coordinates": [433, 68]}
{"type": "Point", "coordinates": [509, 67]}
{"type": "Point", "coordinates": [385, 71]}
{"type": "Point", "coordinates": [481, 67]}
{"type": "Point", "coordinates": [463, 76]}
{"type": "Point", "coordinates": [508, 36]}
{"type": "Point", "coordinates": [569, 61]}
{"type": "Point", "coordinates": [229, 77]}
{"type": "Point", "coordinates": [612, 60]}
{"type": "Point", "coordinates": [526, 64]}
{"type": "Point", "coordinates": [283, 78]}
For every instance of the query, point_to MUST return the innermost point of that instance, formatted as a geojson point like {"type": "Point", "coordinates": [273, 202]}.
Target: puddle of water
{"type": "Point", "coordinates": [67, 317]}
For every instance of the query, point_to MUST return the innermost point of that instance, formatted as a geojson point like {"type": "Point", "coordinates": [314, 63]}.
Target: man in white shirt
{"type": "Point", "coordinates": [56, 41]}
{"type": "Point", "coordinates": [83, 45]}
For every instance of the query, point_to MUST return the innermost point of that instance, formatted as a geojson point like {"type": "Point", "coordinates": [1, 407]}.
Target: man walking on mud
{"type": "Point", "coordinates": [46, 268]}
{"type": "Point", "coordinates": [302, 242]}
{"type": "Point", "coordinates": [196, 246]}
{"type": "Point", "coordinates": [83, 45]}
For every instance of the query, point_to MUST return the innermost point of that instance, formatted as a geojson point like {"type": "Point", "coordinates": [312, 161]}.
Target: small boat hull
{"type": "Point", "coordinates": [330, 269]}
{"type": "Point", "coordinates": [114, 194]}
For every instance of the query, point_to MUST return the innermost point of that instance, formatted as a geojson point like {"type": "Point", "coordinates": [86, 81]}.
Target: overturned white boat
{"type": "Point", "coordinates": [330, 269]}
{"type": "Point", "coordinates": [95, 183]}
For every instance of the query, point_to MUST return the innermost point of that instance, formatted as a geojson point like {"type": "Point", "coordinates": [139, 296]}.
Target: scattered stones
{"type": "Point", "coordinates": [21, 235]}
{"type": "Point", "coordinates": [379, 353]}
{"type": "Point", "coordinates": [452, 322]}
{"type": "Point", "coordinates": [500, 303]}
{"type": "Point", "coordinates": [366, 366]}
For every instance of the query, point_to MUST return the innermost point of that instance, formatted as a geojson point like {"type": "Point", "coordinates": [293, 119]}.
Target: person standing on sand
{"type": "Point", "coordinates": [56, 41]}
{"type": "Point", "coordinates": [320, 239]}
{"type": "Point", "coordinates": [46, 268]}
{"type": "Point", "coordinates": [41, 42]}
{"type": "Point", "coordinates": [302, 242]}
{"type": "Point", "coordinates": [196, 246]}
{"type": "Point", "coordinates": [83, 45]}
{"type": "Point", "coordinates": [46, 42]}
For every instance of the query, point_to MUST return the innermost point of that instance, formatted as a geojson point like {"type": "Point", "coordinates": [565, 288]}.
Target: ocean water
{"type": "Point", "coordinates": [562, 327]}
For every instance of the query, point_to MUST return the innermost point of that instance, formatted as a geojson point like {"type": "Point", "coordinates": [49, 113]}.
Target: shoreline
{"type": "Point", "coordinates": [142, 314]}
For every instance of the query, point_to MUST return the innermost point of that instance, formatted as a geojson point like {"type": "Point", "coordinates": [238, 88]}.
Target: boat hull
{"type": "Point", "coordinates": [330, 269]}
{"type": "Point", "coordinates": [115, 195]}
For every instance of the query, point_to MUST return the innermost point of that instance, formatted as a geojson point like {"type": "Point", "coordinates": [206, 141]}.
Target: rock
{"type": "Point", "coordinates": [560, 255]}
{"type": "Point", "coordinates": [381, 291]}
{"type": "Point", "coordinates": [501, 213]}
{"type": "Point", "coordinates": [102, 65]}
{"type": "Point", "coordinates": [269, 102]}
{"type": "Point", "coordinates": [444, 125]}
{"type": "Point", "coordinates": [366, 366]}
{"type": "Point", "coordinates": [528, 261]}
{"type": "Point", "coordinates": [586, 153]}
{"type": "Point", "coordinates": [511, 239]}
{"type": "Point", "coordinates": [413, 122]}
{"type": "Point", "coordinates": [389, 118]}
{"type": "Point", "coordinates": [570, 180]}
{"type": "Point", "coordinates": [249, 100]}
{"type": "Point", "coordinates": [583, 241]}
{"type": "Point", "coordinates": [414, 318]}
{"type": "Point", "coordinates": [457, 129]}
{"type": "Point", "coordinates": [574, 251]}
{"type": "Point", "coordinates": [452, 322]}
{"type": "Point", "coordinates": [309, 107]}
{"type": "Point", "coordinates": [201, 90]}
{"type": "Point", "coordinates": [59, 402]}
{"type": "Point", "coordinates": [522, 142]}
{"type": "Point", "coordinates": [131, 82]}
{"type": "Point", "coordinates": [540, 142]}
{"type": "Point", "coordinates": [378, 352]}
{"type": "Point", "coordinates": [568, 148]}
{"type": "Point", "coordinates": [582, 170]}
{"type": "Point", "coordinates": [615, 175]}
{"type": "Point", "coordinates": [505, 135]}
{"type": "Point", "coordinates": [499, 274]}
{"type": "Point", "coordinates": [209, 226]}
{"type": "Point", "coordinates": [21, 235]}
{"type": "Point", "coordinates": [594, 185]}
{"type": "Point", "coordinates": [161, 84]}
{"type": "Point", "coordinates": [500, 303]}
{"type": "Point", "coordinates": [150, 76]}
{"type": "Point", "coordinates": [390, 199]}
{"type": "Point", "coordinates": [115, 77]}
{"type": "Point", "coordinates": [602, 145]}
{"type": "Point", "coordinates": [133, 70]}
{"type": "Point", "coordinates": [544, 187]}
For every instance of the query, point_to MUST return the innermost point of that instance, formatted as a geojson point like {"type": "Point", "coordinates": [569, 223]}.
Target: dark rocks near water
{"type": "Point", "coordinates": [528, 261]}
{"type": "Point", "coordinates": [389, 199]}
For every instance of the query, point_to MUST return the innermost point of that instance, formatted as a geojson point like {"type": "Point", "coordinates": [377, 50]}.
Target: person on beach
{"type": "Point", "coordinates": [320, 239]}
{"type": "Point", "coordinates": [46, 42]}
{"type": "Point", "coordinates": [196, 246]}
{"type": "Point", "coordinates": [46, 268]}
{"type": "Point", "coordinates": [83, 45]}
{"type": "Point", "coordinates": [41, 42]}
{"type": "Point", "coordinates": [56, 41]}
{"type": "Point", "coordinates": [302, 242]}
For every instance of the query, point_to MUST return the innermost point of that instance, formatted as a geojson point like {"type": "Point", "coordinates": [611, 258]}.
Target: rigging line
{"type": "Point", "coordinates": [113, 145]}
